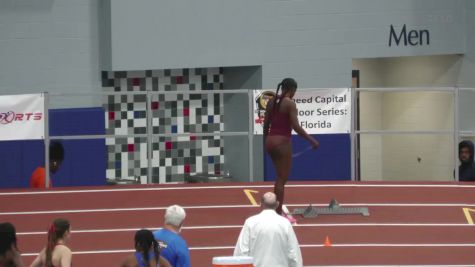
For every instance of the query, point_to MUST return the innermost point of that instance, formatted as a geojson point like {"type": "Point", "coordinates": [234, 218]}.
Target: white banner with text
{"type": "Point", "coordinates": [320, 111]}
{"type": "Point", "coordinates": [22, 117]}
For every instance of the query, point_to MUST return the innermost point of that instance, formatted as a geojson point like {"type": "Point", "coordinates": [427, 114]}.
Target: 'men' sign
{"type": "Point", "coordinates": [411, 38]}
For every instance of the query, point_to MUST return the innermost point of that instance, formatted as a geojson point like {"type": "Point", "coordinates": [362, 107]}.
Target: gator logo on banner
{"type": "Point", "coordinates": [260, 106]}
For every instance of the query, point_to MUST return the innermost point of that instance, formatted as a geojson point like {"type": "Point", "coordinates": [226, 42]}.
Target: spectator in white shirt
{"type": "Point", "coordinates": [269, 238]}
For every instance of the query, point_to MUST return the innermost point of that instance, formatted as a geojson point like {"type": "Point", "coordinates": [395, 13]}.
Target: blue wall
{"type": "Point", "coordinates": [18, 159]}
{"type": "Point", "coordinates": [331, 161]}
{"type": "Point", "coordinates": [84, 160]}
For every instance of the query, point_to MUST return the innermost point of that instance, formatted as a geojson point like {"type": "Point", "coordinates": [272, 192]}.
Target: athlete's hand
{"type": "Point", "coordinates": [315, 144]}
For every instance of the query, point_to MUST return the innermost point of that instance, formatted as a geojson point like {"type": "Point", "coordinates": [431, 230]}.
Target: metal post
{"type": "Point", "coordinates": [353, 134]}
{"type": "Point", "coordinates": [250, 134]}
{"type": "Point", "coordinates": [149, 136]}
{"type": "Point", "coordinates": [46, 138]}
{"type": "Point", "coordinates": [456, 131]}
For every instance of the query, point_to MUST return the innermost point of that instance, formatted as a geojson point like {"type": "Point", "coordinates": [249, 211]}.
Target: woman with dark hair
{"type": "Point", "coordinates": [9, 254]}
{"type": "Point", "coordinates": [147, 253]}
{"type": "Point", "coordinates": [56, 155]}
{"type": "Point", "coordinates": [280, 119]}
{"type": "Point", "coordinates": [56, 253]}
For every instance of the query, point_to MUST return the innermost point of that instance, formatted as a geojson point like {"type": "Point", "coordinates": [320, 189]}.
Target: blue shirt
{"type": "Point", "coordinates": [176, 251]}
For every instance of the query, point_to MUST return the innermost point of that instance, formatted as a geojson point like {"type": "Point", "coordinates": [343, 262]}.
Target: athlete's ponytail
{"type": "Point", "coordinates": [56, 231]}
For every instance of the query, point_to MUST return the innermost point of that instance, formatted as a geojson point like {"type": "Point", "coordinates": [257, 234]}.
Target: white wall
{"type": "Point", "coordinates": [371, 146]}
{"type": "Point", "coordinates": [311, 40]}
{"type": "Point", "coordinates": [466, 77]}
{"type": "Point", "coordinates": [401, 155]}
{"type": "Point", "coordinates": [317, 39]}
{"type": "Point", "coordinates": [372, 71]}
{"type": "Point", "coordinates": [467, 73]}
{"type": "Point", "coordinates": [418, 157]}
{"type": "Point", "coordinates": [371, 75]}
{"type": "Point", "coordinates": [467, 110]}
{"type": "Point", "coordinates": [53, 44]}
{"type": "Point", "coordinates": [425, 71]}
{"type": "Point", "coordinates": [150, 34]}
{"type": "Point", "coordinates": [48, 45]}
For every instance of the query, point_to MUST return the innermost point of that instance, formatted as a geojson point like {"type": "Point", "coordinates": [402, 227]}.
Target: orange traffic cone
{"type": "Point", "coordinates": [327, 242]}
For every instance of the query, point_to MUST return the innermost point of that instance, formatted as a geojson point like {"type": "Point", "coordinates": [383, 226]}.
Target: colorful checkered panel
{"type": "Point", "coordinates": [173, 157]}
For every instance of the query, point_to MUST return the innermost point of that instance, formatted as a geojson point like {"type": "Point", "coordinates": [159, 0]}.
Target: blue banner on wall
{"type": "Point", "coordinates": [331, 161]}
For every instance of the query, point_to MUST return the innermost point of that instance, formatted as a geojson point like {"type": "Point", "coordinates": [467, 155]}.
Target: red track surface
{"type": "Point", "coordinates": [409, 224]}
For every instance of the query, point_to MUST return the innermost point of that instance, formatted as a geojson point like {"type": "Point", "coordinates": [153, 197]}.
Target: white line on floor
{"type": "Point", "coordinates": [47, 192]}
{"type": "Point", "coordinates": [239, 206]}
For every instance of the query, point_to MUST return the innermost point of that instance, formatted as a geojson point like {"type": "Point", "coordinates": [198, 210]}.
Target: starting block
{"type": "Point", "coordinates": [332, 209]}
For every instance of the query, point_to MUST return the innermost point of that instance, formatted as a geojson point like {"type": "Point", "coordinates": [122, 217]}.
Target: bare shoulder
{"type": "Point", "coordinates": [288, 103]}
{"type": "Point", "coordinates": [129, 261]}
{"type": "Point", "coordinates": [63, 249]}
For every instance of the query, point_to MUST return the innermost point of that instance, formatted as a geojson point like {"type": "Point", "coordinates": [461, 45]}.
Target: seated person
{"type": "Point", "coordinates": [467, 167]}
{"type": "Point", "coordinates": [56, 155]}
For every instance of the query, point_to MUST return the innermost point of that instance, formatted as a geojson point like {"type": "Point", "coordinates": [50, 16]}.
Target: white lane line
{"type": "Point", "coordinates": [238, 206]}
{"type": "Point", "coordinates": [386, 225]}
{"type": "Point", "coordinates": [86, 252]}
{"type": "Point", "coordinates": [390, 245]}
{"type": "Point", "coordinates": [301, 246]}
{"type": "Point", "coordinates": [125, 251]}
{"type": "Point", "coordinates": [120, 209]}
{"type": "Point", "coordinates": [215, 227]}
{"type": "Point", "coordinates": [425, 265]}
{"type": "Point", "coordinates": [236, 186]}
{"type": "Point", "coordinates": [136, 229]}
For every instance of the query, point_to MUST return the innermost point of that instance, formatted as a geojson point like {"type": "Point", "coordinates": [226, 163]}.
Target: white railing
{"type": "Point", "coordinates": [455, 131]}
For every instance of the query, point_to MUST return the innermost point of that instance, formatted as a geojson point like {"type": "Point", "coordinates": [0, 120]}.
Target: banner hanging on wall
{"type": "Point", "coordinates": [22, 117]}
{"type": "Point", "coordinates": [320, 111]}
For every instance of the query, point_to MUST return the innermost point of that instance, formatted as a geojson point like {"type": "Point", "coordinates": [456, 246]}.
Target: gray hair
{"type": "Point", "coordinates": [175, 215]}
